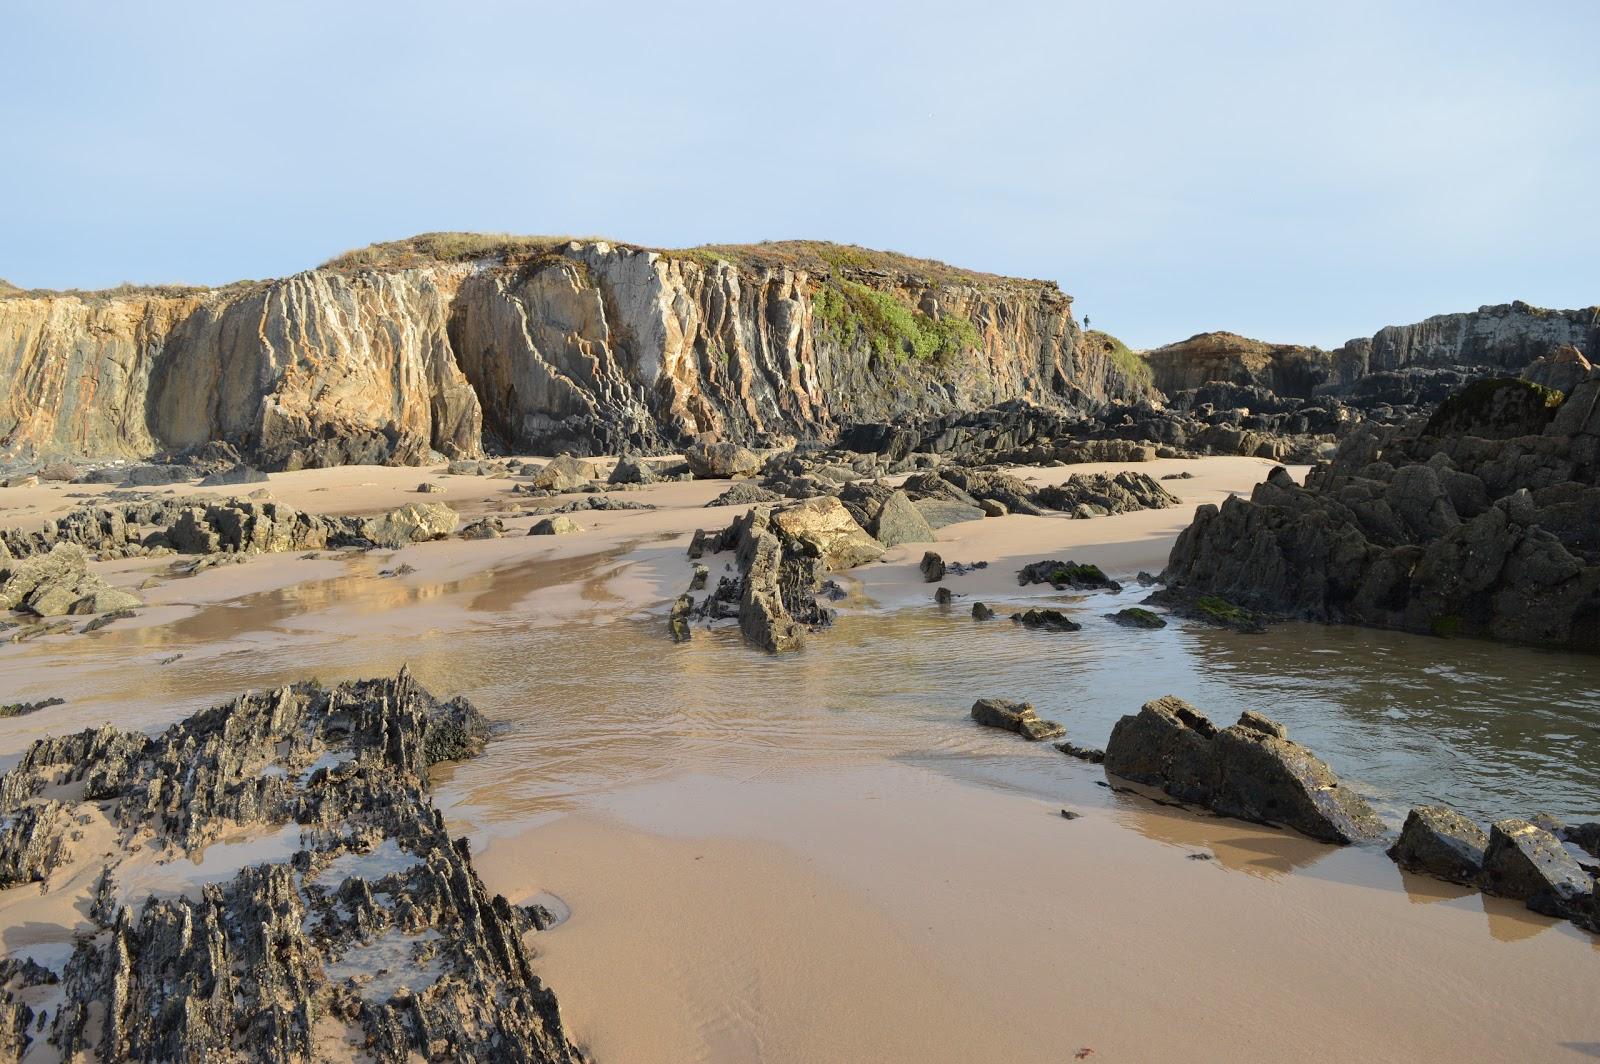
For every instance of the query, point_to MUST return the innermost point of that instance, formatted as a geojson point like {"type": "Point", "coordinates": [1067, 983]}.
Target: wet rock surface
{"type": "Point", "coordinates": [277, 960]}
{"type": "Point", "coordinates": [1018, 717]}
{"type": "Point", "coordinates": [1527, 862]}
{"type": "Point", "coordinates": [1440, 842]}
{"type": "Point", "coordinates": [1046, 620]}
{"type": "Point", "coordinates": [1066, 575]}
{"type": "Point", "coordinates": [782, 555]}
{"type": "Point", "coordinates": [1251, 770]}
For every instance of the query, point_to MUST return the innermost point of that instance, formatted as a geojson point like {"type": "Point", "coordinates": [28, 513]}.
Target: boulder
{"type": "Point", "coordinates": [1167, 744]}
{"type": "Point", "coordinates": [980, 612]}
{"type": "Point", "coordinates": [825, 529]}
{"type": "Point", "coordinates": [60, 472]}
{"type": "Point", "coordinates": [1138, 617]}
{"type": "Point", "coordinates": [104, 600]}
{"type": "Point", "coordinates": [1046, 620]}
{"type": "Point", "coordinates": [413, 523]}
{"type": "Point", "coordinates": [1440, 842]}
{"type": "Point", "coordinates": [62, 567]}
{"type": "Point", "coordinates": [932, 567]}
{"type": "Point", "coordinates": [239, 474]}
{"type": "Point", "coordinates": [558, 525]}
{"type": "Point", "coordinates": [720, 460]}
{"type": "Point", "coordinates": [745, 493]}
{"type": "Point", "coordinates": [900, 521]}
{"type": "Point", "coordinates": [563, 473]}
{"type": "Point", "coordinates": [1526, 862]}
{"type": "Point", "coordinates": [633, 470]}
{"type": "Point", "coordinates": [1067, 574]}
{"type": "Point", "coordinates": [941, 512]}
{"type": "Point", "coordinates": [484, 528]}
{"type": "Point", "coordinates": [1017, 717]}
{"type": "Point", "coordinates": [1251, 770]}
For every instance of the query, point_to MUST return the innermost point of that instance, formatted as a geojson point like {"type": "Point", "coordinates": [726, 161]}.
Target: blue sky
{"type": "Point", "coordinates": [1298, 172]}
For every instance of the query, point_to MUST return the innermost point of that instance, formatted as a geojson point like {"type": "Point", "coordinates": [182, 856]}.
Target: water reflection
{"type": "Point", "coordinates": [588, 707]}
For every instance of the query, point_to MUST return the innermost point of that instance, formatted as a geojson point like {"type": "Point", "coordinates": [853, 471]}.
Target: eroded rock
{"type": "Point", "coordinates": [1251, 770]}
{"type": "Point", "coordinates": [1018, 717]}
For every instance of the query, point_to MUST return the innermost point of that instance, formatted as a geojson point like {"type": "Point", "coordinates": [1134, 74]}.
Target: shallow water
{"type": "Point", "coordinates": [1492, 730]}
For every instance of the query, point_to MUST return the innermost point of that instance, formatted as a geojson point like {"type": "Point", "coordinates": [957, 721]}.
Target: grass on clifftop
{"type": "Point", "coordinates": [816, 257]}
{"type": "Point", "coordinates": [844, 310]}
{"type": "Point", "coordinates": [1131, 363]}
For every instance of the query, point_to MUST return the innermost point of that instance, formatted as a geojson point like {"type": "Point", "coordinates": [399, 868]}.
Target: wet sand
{"type": "Point", "coordinates": [763, 862]}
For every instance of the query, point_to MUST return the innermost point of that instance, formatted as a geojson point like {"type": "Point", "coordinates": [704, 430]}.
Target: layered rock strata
{"type": "Point", "coordinates": [368, 933]}
{"type": "Point", "coordinates": [534, 346]}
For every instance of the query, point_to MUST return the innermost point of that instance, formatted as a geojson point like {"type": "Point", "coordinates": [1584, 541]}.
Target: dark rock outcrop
{"type": "Point", "coordinates": [1251, 770]}
{"type": "Point", "coordinates": [1423, 529]}
{"type": "Point", "coordinates": [1138, 617]}
{"type": "Point", "coordinates": [1442, 843]}
{"type": "Point", "coordinates": [1046, 620]}
{"type": "Point", "coordinates": [1526, 862]}
{"type": "Point", "coordinates": [374, 921]}
{"type": "Point", "coordinates": [1068, 574]}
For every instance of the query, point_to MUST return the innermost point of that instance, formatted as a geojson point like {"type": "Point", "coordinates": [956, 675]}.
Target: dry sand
{"type": "Point", "coordinates": [823, 890]}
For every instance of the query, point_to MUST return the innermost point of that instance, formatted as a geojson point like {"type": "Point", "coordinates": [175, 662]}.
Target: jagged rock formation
{"type": "Point", "coordinates": [371, 936]}
{"type": "Point", "coordinates": [1484, 521]}
{"type": "Point", "coordinates": [1252, 770]}
{"type": "Point", "coordinates": [538, 345]}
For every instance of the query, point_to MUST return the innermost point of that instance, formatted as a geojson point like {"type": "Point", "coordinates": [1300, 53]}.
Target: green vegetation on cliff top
{"type": "Point", "coordinates": [1130, 362]}
{"type": "Point", "coordinates": [820, 259]}
{"type": "Point", "coordinates": [845, 310]}
{"type": "Point", "coordinates": [811, 256]}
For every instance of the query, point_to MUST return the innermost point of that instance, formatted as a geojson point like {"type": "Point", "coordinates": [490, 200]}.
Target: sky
{"type": "Point", "coordinates": [1301, 172]}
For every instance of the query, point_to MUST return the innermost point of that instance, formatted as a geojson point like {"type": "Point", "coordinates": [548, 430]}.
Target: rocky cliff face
{"type": "Point", "coordinates": [1493, 338]}
{"type": "Point", "coordinates": [1286, 369]}
{"type": "Point", "coordinates": [1508, 336]}
{"type": "Point", "coordinates": [583, 345]}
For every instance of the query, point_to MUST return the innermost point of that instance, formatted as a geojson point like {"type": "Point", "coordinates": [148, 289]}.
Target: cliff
{"type": "Point", "coordinates": [1510, 336]}
{"type": "Point", "coordinates": [1287, 369]}
{"type": "Point", "coordinates": [450, 341]}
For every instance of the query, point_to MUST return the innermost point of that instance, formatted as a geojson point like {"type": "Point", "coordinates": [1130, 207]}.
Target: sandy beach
{"type": "Point", "coordinates": [762, 862]}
